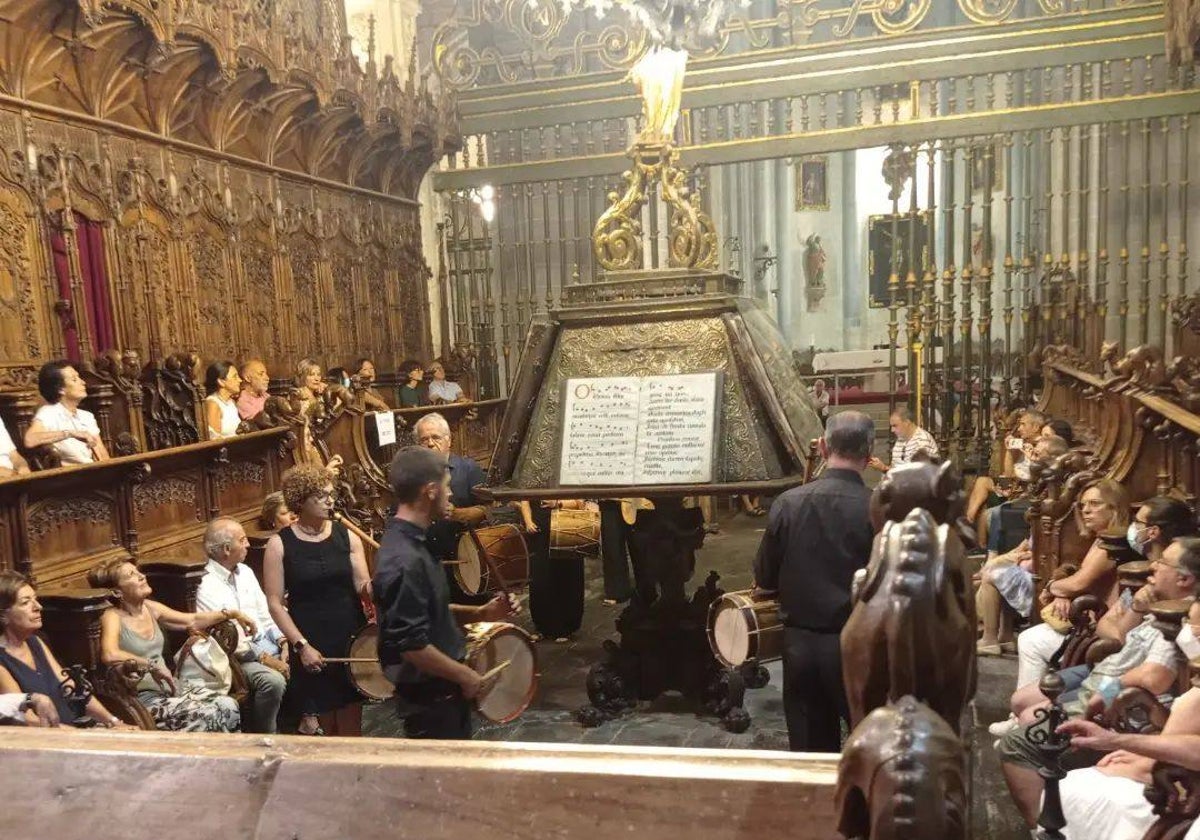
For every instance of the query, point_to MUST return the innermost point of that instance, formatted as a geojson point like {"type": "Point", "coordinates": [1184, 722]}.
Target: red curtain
{"type": "Point", "coordinates": [95, 283]}
{"type": "Point", "coordinates": [90, 236]}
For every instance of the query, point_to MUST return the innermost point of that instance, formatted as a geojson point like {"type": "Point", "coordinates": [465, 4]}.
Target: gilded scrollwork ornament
{"type": "Point", "coordinates": [617, 237]}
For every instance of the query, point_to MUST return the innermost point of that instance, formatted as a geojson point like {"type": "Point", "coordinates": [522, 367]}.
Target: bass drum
{"type": "Point", "coordinates": [368, 677]}
{"type": "Point", "coordinates": [490, 644]}
{"type": "Point", "coordinates": [575, 532]}
{"type": "Point", "coordinates": [743, 627]}
{"type": "Point", "coordinates": [504, 546]}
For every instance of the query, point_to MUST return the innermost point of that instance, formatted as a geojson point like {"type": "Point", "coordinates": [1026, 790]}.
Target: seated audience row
{"type": "Point", "coordinates": [319, 563]}
{"type": "Point", "coordinates": [1102, 793]}
{"type": "Point", "coordinates": [233, 396]}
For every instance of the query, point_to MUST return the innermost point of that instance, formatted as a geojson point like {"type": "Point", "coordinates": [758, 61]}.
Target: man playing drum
{"type": "Point", "coordinates": [421, 644]}
{"type": "Point", "coordinates": [467, 510]}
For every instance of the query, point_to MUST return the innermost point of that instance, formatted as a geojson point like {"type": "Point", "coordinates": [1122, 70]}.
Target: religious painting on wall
{"type": "Point", "coordinates": [899, 235]}
{"type": "Point", "coordinates": [981, 163]}
{"type": "Point", "coordinates": [812, 183]}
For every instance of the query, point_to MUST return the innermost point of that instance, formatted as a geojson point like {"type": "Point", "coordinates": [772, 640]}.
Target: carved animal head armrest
{"type": "Point", "coordinates": [44, 457]}
{"type": "Point", "coordinates": [1099, 650]}
{"type": "Point", "coordinates": [1169, 616]}
{"type": "Point", "coordinates": [116, 688]}
{"type": "Point", "coordinates": [936, 488]}
{"type": "Point", "coordinates": [1136, 710]}
{"type": "Point", "coordinates": [1174, 791]}
{"type": "Point", "coordinates": [1086, 610]}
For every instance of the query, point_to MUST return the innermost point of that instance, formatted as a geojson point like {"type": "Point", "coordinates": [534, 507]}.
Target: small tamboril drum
{"type": "Point", "coordinates": [743, 627]}
{"type": "Point", "coordinates": [368, 677]}
{"type": "Point", "coordinates": [490, 644]}
{"type": "Point", "coordinates": [506, 548]}
{"type": "Point", "coordinates": [575, 531]}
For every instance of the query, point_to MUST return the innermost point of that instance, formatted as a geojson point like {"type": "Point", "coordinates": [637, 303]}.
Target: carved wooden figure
{"type": "Point", "coordinates": [912, 630]}
{"type": "Point", "coordinates": [902, 777]}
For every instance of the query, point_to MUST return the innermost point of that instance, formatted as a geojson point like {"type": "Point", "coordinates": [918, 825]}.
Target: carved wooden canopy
{"type": "Point", "coordinates": [271, 81]}
{"type": "Point", "coordinates": [655, 322]}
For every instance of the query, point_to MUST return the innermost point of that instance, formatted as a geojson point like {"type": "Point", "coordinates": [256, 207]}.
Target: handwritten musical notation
{"type": "Point", "coordinates": [639, 430]}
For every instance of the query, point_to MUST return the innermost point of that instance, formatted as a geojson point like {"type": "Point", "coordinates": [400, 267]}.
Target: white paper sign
{"type": "Point", "coordinates": [639, 430]}
{"type": "Point", "coordinates": [385, 427]}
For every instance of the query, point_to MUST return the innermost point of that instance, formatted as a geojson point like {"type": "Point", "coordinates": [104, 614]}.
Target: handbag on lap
{"type": "Point", "coordinates": [203, 662]}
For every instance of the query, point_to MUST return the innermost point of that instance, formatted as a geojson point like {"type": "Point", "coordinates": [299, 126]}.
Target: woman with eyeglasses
{"type": "Point", "coordinates": [323, 569]}
{"type": "Point", "coordinates": [1103, 512]}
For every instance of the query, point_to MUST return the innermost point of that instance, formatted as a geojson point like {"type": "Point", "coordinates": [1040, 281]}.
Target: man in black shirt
{"type": "Point", "coordinates": [818, 535]}
{"type": "Point", "coordinates": [421, 646]}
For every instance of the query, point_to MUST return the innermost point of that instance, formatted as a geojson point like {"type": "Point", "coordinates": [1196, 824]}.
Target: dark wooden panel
{"type": "Point", "coordinates": [59, 523]}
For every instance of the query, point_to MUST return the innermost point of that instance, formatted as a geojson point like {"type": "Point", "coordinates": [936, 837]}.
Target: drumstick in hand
{"type": "Point", "coordinates": [488, 679]}
{"type": "Point", "coordinates": [349, 659]}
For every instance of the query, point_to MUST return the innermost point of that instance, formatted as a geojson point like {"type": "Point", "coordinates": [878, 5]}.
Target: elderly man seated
{"type": "Point", "coordinates": [229, 585]}
{"type": "Point", "coordinates": [1147, 660]}
{"type": "Point", "coordinates": [441, 389]}
{"type": "Point", "coordinates": [253, 398]}
{"type": "Point", "coordinates": [1108, 802]}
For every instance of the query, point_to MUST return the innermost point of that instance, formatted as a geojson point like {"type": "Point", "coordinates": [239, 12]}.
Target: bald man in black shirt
{"type": "Point", "coordinates": [818, 535]}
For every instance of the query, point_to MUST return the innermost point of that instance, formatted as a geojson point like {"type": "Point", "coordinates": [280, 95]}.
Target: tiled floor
{"type": "Point", "coordinates": [672, 722]}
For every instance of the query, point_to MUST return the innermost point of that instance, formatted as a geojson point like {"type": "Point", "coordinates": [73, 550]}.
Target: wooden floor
{"type": "Point", "coordinates": [672, 722]}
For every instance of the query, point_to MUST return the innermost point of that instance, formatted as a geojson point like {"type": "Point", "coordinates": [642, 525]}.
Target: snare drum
{"type": "Point", "coordinates": [576, 531]}
{"type": "Point", "coordinates": [368, 677]}
{"type": "Point", "coordinates": [488, 645]}
{"type": "Point", "coordinates": [744, 628]}
{"type": "Point", "coordinates": [506, 548]}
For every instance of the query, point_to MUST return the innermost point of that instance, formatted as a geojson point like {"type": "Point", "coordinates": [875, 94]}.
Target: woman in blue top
{"type": "Point", "coordinates": [26, 663]}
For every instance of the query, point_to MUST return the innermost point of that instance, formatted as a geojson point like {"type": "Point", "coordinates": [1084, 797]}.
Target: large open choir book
{"type": "Point", "coordinates": [631, 430]}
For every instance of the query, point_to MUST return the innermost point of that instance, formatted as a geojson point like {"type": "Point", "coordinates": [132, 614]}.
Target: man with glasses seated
{"type": "Point", "coordinates": [1146, 660]}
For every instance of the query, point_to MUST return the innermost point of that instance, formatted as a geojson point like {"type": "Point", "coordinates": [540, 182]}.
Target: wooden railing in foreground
{"type": "Point", "coordinates": [57, 524]}
{"type": "Point", "coordinates": [280, 788]}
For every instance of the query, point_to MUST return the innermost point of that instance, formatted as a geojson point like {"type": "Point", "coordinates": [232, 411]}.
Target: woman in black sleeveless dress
{"type": "Point", "coordinates": [322, 568]}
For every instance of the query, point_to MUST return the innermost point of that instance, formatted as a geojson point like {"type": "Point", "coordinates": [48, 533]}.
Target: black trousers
{"type": "Point", "coordinates": [555, 584]}
{"type": "Point", "coordinates": [436, 710]}
{"type": "Point", "coordinates": [814, 699]}
{"type": "Point", "coordinates": [617, 584]}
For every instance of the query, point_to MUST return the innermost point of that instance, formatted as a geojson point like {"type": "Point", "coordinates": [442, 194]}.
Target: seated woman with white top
{"type": "Point", "coordinates": [222, 383]}
{"type": "Point", "coordinates": [61, 424]}
{"type": "Point", "coordinates": [11, 462]}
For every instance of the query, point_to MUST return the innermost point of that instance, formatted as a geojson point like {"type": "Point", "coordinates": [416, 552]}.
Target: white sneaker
{"type": "Point", "coordinates": [1002, 727]}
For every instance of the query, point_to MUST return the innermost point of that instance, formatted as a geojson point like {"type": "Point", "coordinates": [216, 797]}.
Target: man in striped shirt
{"type": "Point", "coordinates": [910, 439]}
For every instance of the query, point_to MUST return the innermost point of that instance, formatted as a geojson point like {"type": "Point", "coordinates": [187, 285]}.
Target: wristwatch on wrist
{"type": "Point", "coordinates": [300, 644]}
{"type": "Point", "coordinates": [26, 704]}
